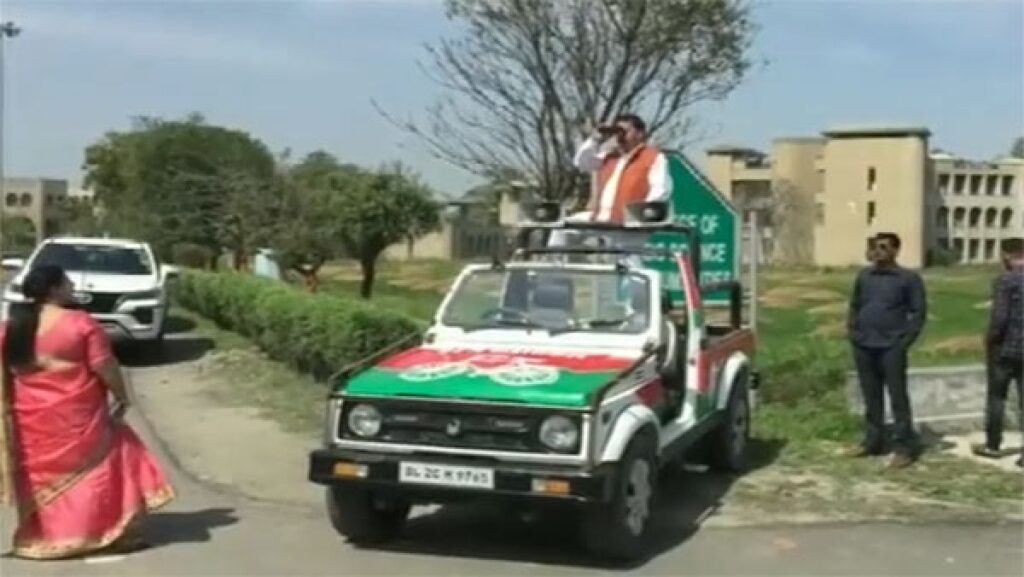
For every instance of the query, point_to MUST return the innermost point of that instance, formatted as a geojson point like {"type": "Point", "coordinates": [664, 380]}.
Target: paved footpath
{"type": "Point", "coordinates": [211, 532]}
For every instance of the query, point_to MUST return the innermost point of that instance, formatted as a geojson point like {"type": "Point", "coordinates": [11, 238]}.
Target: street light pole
{"type": "Point", "coordinates": [7, 30]}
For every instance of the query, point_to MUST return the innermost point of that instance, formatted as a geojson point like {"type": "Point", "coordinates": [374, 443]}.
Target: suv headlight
{"type": "Point", "coordinates": [145, 295]}
{"type": "Point", "coordinates": [364, 420]}
{"type": "Point", "coordinates": [560, 434]}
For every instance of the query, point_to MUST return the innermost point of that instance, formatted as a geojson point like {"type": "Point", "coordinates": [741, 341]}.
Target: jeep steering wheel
{"type": "Point", "coordinates": [493, 314]}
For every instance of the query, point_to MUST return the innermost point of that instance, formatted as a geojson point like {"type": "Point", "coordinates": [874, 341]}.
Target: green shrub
{"type": "Point", "coordinates": [943, 257]}
{"type": "Point", "coordinates": [317, 334]}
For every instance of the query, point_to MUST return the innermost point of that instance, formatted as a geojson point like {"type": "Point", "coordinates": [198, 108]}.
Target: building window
{"type": "Point", "coordinates": [872, 178]}
{"type": "Point", "coordinates": [990, 250]}
{"type": "Point", "coordinates": [974, 218]}
{"type": "Point", "coordinates": [959, 213]}
{"type": "Point", "coordinates": [991, 183]}
{"type": "Point", "coordinates": [819, 213]}
{"type": "Point", "coordinates": [943, 184]}
{"type": "Point", "coordinates": [972, 250]}
{"type": "Point", "coordinates": [991, 216]}
{"type": "Point", "coordinates": [959, 181]}
{"type": "Point", "coordinates": [942, 218]}
{"type": "Point", "coordinates": [975, 184]}
{"type": "Point", "coordinates": [958, 248]}
{"type": "Point", "coordinates": [26, 199]}
{"type": "Point", "coordinates": [1007, 219]}
{"type": "Point", "coordinates": [11, 199]}
{"type": "Point", "coordinates": [1007, 185]}
{"type": "Point", "coordinates": [871, 212]}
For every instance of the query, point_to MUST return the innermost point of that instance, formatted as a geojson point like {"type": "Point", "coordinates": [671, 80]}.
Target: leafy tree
{"type": "Point", "coordinates": [170, 182]}
{"type": "Point", "coordinates": [381, 209]}
{"type": "Point", "coordinates": [1017, 150]}
{"type": "Point", "coordinates": [78, 217]}
{"type": "Point", "coordinates": [19, 235]}
{"type": "Point", "coordinates": [527, 78]}
{"type": "Point", "coordinates": [309, 227]}
{"type": "Point", "coordinates": [252, 207]}
{"type": "Point", "coordinates": [792, 218]}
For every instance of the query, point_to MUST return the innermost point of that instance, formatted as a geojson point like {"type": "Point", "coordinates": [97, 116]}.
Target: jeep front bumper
{"type": "Point", "coordinates": [514, 480]}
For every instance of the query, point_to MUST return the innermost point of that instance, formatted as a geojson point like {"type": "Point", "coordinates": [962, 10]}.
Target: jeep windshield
{"type": "Point", "coordinates": [554, 300]}
{"type": "Point", "coordinates": [98, 259]}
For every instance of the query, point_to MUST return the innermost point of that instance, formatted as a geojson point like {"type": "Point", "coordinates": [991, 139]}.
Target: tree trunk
{"type": "Point", "coordinates": [310, 277]}
{"type": "Point", "coordinates": [311, 280]}
{"type": "Point", "coordinates": [240, 260]}
{"type": "Point", "coordinates": [369, 267]}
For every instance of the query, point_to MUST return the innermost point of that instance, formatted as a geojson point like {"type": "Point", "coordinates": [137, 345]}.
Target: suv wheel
{"type": "Point", "coordinates": [618, 530]}
{"type": "Point", "coordinates": [363, 517]}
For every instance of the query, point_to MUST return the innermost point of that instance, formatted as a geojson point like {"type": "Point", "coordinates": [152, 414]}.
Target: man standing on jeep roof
{"type": "Point", "coordinates": [625, 169]}
{"type": "Point", "coordinates": [888, 309]}
{"type": "Point", "coordinates": [1004, 346]}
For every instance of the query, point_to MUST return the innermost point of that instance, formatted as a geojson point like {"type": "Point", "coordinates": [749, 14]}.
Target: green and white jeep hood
{"type": "Point", "coordinates": [533, 377]}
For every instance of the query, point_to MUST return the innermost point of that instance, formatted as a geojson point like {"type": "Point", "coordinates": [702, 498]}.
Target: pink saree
{"type": "Point", "coordinates": [80, 478]}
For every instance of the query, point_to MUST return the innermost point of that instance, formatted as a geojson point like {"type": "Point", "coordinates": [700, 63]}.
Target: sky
{"type": "Point", "coordinates": [303, 75]}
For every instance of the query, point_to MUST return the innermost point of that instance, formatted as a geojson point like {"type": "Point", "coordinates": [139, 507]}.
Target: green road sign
{"type": "Point", "coordinates": [698, 204]}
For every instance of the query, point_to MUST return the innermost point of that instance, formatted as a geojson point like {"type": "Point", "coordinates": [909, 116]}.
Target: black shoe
{"type": "Point", "coordinates": [986, 451]}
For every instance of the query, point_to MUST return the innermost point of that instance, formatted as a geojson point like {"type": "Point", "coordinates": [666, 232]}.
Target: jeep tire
{"type": "Point", "coordinates": [618, 530]}
{"type": "Point", "coordinates": [727, 444]}
{"type": "Point", "coordinates": [362, 517]}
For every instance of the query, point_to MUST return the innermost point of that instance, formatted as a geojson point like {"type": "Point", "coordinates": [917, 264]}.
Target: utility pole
{"type": "Point", "coordinates": [7, 30]}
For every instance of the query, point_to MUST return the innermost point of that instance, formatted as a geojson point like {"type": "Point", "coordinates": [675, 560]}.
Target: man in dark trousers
{"type": "Point", "coordinates": [1004, 346]}
{"type": "Point", "coordinates": [887, 312]}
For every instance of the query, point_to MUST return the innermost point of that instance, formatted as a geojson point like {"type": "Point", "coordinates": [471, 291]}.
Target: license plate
{"type": "Point", "coordinates": [429, 474]}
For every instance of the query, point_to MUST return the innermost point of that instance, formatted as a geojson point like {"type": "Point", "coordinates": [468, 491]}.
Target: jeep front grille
{"type": "Point", "coordinates": [100, 303]}
{"type": "Point", "coordinates": [464, 426]}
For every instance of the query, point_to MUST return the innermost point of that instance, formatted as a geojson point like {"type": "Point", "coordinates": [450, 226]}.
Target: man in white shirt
{"type": "Point", "coordinates": [625, 170]}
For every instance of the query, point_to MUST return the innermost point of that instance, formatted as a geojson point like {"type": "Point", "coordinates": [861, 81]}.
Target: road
{"type": "Point", "coordinates": [210, 531]}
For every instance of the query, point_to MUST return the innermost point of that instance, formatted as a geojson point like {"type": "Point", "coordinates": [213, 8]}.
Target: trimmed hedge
{"type": "Point", "coordinates": [318, 334]}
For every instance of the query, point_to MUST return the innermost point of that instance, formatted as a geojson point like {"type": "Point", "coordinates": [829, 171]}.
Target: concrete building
{"type": "Point", "coordinates": [36, 199]}
{"type": "Point", "coordinates": [836, 191]}
{"type": "Point", "coordinates": [973, 205]}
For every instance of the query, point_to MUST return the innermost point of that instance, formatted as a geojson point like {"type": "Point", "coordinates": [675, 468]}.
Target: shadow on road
{"type": "Point", "coordinates": [176, 325]}
{"type": "Point", "coordinates": [493, 532]}
{"type": "Point", "coordinates": [163, 529]}
{"type": "Point", "coordinates": [173, 350]}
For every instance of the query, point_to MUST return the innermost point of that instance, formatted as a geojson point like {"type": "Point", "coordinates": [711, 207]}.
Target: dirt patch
{"type": "Point", "coordinates": [983, 306]}
{"type": "Point", "coordinates": [839, 308]}
{"type": "Point", "coordinates": [958, 344]}
{"type": "Point", "coordinates": [831, 329]}
{"type": "Point", "coordinates": [436, 285]}
{"type": "Point", "coordinates": [792, 296]}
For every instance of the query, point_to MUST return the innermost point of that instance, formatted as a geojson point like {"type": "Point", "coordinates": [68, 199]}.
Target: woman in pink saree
{"type": "Point", "coordinates": [80, 477]}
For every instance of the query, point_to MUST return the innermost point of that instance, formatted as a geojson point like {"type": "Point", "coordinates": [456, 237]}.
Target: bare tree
{"type": "Point", "coordinates": [528, 78]}
{"type": "Point", "coordinates": [792, 217]}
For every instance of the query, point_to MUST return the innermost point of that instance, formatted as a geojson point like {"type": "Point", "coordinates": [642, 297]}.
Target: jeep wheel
{"type": "Point", "coordinates": [727, 450]}
{"type": "Point", "coordinates": [362, 517]}
{"type": "Point", "coordinates": [618, 530]}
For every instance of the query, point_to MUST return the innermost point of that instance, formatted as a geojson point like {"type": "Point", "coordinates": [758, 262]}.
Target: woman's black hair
{"type": "Point", "coordinates": [20, 339]}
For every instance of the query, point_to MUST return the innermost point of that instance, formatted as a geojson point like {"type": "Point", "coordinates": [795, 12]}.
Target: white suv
{"type": "Point", "coordinates": [119, 282]}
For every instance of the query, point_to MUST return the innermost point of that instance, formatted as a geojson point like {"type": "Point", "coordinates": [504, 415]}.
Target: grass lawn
{"type": "Point", "coordinates": [803, 420]}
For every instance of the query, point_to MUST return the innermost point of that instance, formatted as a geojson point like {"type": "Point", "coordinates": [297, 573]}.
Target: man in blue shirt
{"type": "Point", "coordinates": [887, 312]}
{"type": "Point", "coordinates": [1004, 346]}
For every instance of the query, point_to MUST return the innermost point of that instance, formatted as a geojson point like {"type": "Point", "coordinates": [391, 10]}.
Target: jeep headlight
{"type": "Point", "coordinates": [364, 420]}
{"type": "Point", "coordinates": [560, 434]}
